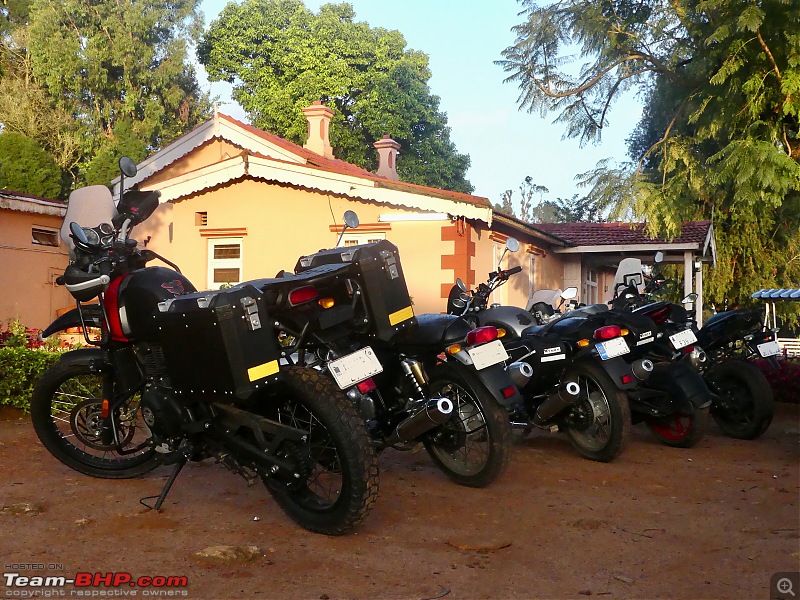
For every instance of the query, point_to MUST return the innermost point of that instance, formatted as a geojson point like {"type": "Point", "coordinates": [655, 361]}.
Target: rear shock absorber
{"type": "Point", "coordinates": [415, 374]}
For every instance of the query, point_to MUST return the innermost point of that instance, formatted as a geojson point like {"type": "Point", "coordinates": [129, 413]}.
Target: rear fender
{"type": "Point", "coordinates": [617, 368]}
{"type": "Point", "coordinates": [495, 379]}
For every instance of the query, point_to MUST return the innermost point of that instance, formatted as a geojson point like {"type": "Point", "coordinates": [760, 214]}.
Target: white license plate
{"type": "Point", "coordinates": [683, 339]}
{"type": "Point", "coordinates": [488, 354]}
{"type": "Point", "coordinates": [768, 349]}
{"type": "Point", "coordinates": [355, 368]}
{"type": "Point", "coordinates": [612, 348]}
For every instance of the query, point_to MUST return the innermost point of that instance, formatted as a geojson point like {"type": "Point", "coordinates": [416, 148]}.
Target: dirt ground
{"type": "Point", "coordinates": [714, 521]}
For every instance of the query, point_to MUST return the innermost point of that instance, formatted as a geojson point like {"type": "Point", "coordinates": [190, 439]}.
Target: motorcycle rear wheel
{"type": "Point", "coordinates": [604, 415]}
{"type": "Point", "coordinates": [744, 405]}
{"type": "Point", "coordinates": [65, 412]}
{"type": "Point", "coordinates": [680, 431]}
{"type": "Point", "coordinates": [340, 467]}
{"type": "Point", "coordinates": [473, 447]}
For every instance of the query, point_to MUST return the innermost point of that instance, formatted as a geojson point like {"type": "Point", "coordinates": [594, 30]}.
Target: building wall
{"type": "Point", "coordinates": [277, 224]}
{"type": "Point", "coordinates": [27, 279]}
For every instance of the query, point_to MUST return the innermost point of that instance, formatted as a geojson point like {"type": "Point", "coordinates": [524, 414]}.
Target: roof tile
{"type": "Point", "coordinates": [608, 234]}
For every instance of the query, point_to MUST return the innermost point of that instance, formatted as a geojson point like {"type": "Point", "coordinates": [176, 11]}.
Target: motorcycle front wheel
{"type": "Point", "coordinates": [599, 423]}
{"type": "Point", "coordinates": [680, 431]}
{"type": "Point", "coordinates": [473, 447]}
{"type": "Point", "coordinates": [65, 412]}
{"type": "Point", "coordinates": [339, 469]}
{"type": "Point", "coordinates": [743, 404]}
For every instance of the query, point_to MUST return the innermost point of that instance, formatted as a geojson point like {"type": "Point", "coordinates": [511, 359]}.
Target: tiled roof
{"type": "Point", "coordinates": [21, 196]}
{"type": "Point", "coordinates": [609, 234]}
{"type": "Point", "coordinates": [335, 165]}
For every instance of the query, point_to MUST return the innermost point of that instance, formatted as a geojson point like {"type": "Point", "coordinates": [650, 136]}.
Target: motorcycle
{"type": "Point", "coordinates": [742, 402]}
{"type": "Point", "coordinates": [173, 375]}
{"type": "Point", "coordinates": [570, 370]}
{"type": "Point", "coordinates": [425, 378]}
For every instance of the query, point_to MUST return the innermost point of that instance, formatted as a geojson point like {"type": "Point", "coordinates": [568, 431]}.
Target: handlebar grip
{"type": "Point", "coordinates": [513, 270]}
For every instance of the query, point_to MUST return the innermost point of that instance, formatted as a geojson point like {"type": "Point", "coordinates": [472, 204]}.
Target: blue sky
{"type": "Point", "coordinates": [462, 39]}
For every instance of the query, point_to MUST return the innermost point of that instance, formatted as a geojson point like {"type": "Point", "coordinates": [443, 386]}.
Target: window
{"type": "Point", "coordinates": [354, 239]}
{"type": "Point", "coordinates": [590, 287]}
{"type": "Point", "coordinates": [42, 236]}
{"type": "Point", "coordinates": [224, 262]}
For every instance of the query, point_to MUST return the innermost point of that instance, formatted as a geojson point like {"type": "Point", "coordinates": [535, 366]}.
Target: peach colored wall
{"type": "Point", "coordinates": [208, 154]}
{"type": "Point", "coordinates": [280, 224]}
{"type": "Point", "coordinates": [27, 277]}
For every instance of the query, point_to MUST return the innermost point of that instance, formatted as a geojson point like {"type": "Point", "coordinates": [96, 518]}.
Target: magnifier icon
{"type": "Point", "coordinates": [784, 585]}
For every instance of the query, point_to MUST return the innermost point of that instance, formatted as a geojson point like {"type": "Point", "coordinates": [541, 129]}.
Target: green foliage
{"type": "Point", "coordinates": [26, 167]}
{"type": "Point", "coordinates": [86, 80]}
{"type": "Point", "coordinates": [281, 57]}
{"type": "Point", "coordinates": [719, 135]}
{"type": "Point", "coordinates": [560, 210]}
{"type": "Point", "coordinates": [20, 368]}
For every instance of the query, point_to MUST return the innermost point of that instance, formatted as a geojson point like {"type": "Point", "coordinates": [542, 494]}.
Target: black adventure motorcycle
{"type": "Point", "coordinates": [570, 370]}
{"type": "Point", "coordinates": [721, 350]}
{"type": "Point", "coordinates": [426, 378]}
{"type": "Point", "coordinates": [178, 375]}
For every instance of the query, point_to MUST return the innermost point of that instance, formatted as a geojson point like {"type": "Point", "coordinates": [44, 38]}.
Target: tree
{"type": "Point", "coordinates": [281, 57]}
{"type": "Point", "coordinates": [25, 167]}
{"type": "Point", "coordinates": [719, 135]}
{"type": "Point", "coordinates": [77, 75]}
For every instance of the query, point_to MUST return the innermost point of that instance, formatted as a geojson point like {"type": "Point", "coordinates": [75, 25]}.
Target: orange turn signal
{"type": "Point", "coordinates": [583, 343]}
{"type": "Point", "coordinates": [500, 332]}
{"type": "Point", "coordinates": [326, 302]}
{"type": "Point", "coordinates": [454, 349]}
{"type": "Point", "coordinates": [624, 331]}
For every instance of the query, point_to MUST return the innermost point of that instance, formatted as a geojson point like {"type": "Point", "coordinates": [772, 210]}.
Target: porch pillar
{"type": "Point", "coordinates": [688, 268]}
{"type": "Point", "coordinates": [698, 304]}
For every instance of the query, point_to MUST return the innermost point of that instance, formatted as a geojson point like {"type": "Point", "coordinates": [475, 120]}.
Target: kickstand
{"type": "Point", "coordinates": [165, 490]}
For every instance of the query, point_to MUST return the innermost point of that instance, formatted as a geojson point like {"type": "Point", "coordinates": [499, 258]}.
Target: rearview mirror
{"type": "Point", "coordinates": [659, 257]}
{"type": "Point", "coordinates": [569, 293]}
{"type": "Point", "coordinates": [127, 166]}
{"type": "Point", "coordinates": [351, 219]}
{"type": "Point", "coordinates": [78, 233]}
{"type": "Point", "coordinates": [512, 244]}
{"type": "Point", "coordinates": [690, 298]}
{"type": "Point", "coordinates": [460, 284]}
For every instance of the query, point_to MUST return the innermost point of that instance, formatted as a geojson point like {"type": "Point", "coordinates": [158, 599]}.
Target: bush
{"type": "Point", "coordinates": [784, 381]}
{"type": "Point", "coordinates": [23, 359]}
{"type": "Point", "coordinates": [20, 368]}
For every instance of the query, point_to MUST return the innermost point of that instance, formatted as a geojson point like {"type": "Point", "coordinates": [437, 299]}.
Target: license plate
{"type": "Point", "coordinates": [488, 354]}
{"type": "Point", "coordinates": [355, 368]}
{"type": "Point", "coordinates": [612, 348]}
{"type": "Point", "coordinates": [768, 349]}
{"type": "Point", "coordinates": [683, 339]}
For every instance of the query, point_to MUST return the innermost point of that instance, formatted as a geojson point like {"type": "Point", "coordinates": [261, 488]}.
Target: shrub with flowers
{"type": "Point", "coordinates": [784, 381]}
{"type": "Point", "coordinates": [23, 359]}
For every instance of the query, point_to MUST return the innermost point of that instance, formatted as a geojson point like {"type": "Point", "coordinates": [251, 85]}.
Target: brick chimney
{"type": "Point", "coordinates": [387, 158]}
{"type": "Point", "coordinates": [319, 123]}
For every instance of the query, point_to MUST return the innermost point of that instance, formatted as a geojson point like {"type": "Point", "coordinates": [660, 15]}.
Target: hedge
{"type": "Point", "coordinates": [19, 370]}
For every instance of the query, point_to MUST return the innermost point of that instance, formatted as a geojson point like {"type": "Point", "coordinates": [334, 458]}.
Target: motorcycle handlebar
{"type": "Point", "coordinates": [512, 271]}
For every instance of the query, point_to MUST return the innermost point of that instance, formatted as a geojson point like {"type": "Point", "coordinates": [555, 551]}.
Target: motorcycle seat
{"type": "Point", "coordinates": [534, 330]}
{"type": "Point", "coordinates": [436, 329]}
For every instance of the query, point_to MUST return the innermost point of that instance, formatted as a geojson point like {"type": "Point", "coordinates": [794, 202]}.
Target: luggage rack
{"type": "Point", "coordinates": [790, 346]}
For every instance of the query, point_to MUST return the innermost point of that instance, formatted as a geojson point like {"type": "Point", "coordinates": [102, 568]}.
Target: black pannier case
{"type": "Point", "coordinates": [377, 268]}
{"type": "Point", "coordinates": [218, 342]}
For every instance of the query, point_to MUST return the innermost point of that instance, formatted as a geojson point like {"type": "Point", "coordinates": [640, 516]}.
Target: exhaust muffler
{"type": "Point", "coordinates": [521, 373]}
{"type": "Point", "coordinates": [642, 368]}
{"type": "Point", "coordinates": [564, 397]}
{"type": "Point", "coordinates": [435, 412]}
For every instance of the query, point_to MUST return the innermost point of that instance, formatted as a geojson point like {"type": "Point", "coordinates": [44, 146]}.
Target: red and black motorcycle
{"type": "Point", "coordinates": [174, 375]}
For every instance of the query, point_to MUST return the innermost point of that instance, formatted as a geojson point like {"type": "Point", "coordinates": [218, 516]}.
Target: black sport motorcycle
{"type": "Point", "coordinates": [426, 378]}
{"type": "Point", "coordinates": [569, 370]}
{"type": "Point", "coordinates": [742, 403]}
{"type": "Point", "coordinates": [174, 375]}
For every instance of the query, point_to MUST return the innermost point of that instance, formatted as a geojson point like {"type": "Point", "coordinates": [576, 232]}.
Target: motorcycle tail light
{"type": "Point", "coordinates": [508, 391]}
{"type": "Point", "coordinates": [661, 314]}
{"type": "Point", "coordinates": [326, 302]}
{"type": "Point", "coordinates": [626, 379]}
{"type": "Point", "coordinates": [481, 335]}
{"type": "Point", "coordinates": [104, 409]}
{"type": "Point", "coordinates": [302, 294]}
{"type": "Point", "coordinates": [687, 349]}
{"type": "Point", "coordinates": [607, 332]}
{"type": "Point", "coordinates": [366, 386]}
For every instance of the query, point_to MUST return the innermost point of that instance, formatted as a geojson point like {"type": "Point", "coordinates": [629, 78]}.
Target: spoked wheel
{"type": "Point", "coordinates": [743, 404]}
{"type": "Point", "coordinates": [473, 447]}
{"type": "Point", "coordinates": [338, 481]}
{"type": "Point", "coordinates": [66, 415]}
{"type": "Point", "coordinates": [680, 431]}
{"type": "Point", "coordinates": [599, 423]}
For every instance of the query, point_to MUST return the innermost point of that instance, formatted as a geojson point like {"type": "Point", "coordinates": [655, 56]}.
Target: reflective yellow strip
{"type": "Point", "coordinates": [404, 314]}
{"type": "Point", "coordinates": [262, 371]}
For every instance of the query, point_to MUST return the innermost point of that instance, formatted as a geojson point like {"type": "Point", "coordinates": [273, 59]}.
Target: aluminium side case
{"type": "Point", "coordinates": [377, 268]}
{"type": "Point", "coordinates": [218, 342]}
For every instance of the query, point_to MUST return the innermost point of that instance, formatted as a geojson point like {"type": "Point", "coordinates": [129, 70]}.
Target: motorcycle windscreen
{"type": "Point", "coordinates": [629, 272]}
{"type": "Point", "coordinates": [88, 207]}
